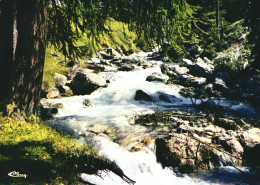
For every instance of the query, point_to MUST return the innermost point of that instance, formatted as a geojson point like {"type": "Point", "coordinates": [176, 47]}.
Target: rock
{"type": "Point", "coordinates": [179, 70]}
{"type": "Point", "coordinates": [73, 63]}
{"type": "Point", "coordinates": [251, 138]}
{"type": "Point", "coordinates": [113, 52]}
{"type": "Point", "coordinates": [220, 84]}
{"type": "Point", "coordinates": [96, 67]}
{"type": "Point", "coordinates": [63, 89]}
{"type": "Point", "coordinates": [191, 81]}
{"type": "Point", "coordinates": [53, 93]}
{"type": "Point", "coordinates": [157, 77]}
{"type": "Point", "coordinates": [86, 83]}
{"type": "Point", "coordinates": [77, 69]}
{"type": "Point", "coordinates": [185, 62]}
{"type": "Point", "coordinates": [126, 68]}
{"type": "Point", "coordinates": [60, 80]}
{"type": "Point", "coordinates": [105, 55]}
{"type": "Point", "coordinates": [194, 51]}
{"type": "Point", "coordinates": [171, 74]}
{"type": "Point", "coordinates": [164, 68]}
{"type": "Point", "coordinates": [251, 141]}
{"type": "Point", "coordinates": [206, 60]}
{"type": "Point", "coordinates": [256, 91]}
{"type": "Point", "coordinates": [197, 81]}
{"type": "Point", "coordinates": [87, 103]}
{"type": "Point", "coordinates": [142, 96]}
{"type": "Point", "coordinates": [226, 123]}
{"type": "Point", "coordinates": [200, 68]}
{"type": "Point", "coordinates": [168, 98]}
{"type": "Point", "coordinates": [182, 152]}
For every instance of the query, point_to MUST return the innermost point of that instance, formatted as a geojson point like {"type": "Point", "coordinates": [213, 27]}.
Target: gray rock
{"type": "Point", "coordinates": [60, 80]}
{"type": "Point", "coordinates": [126, 68]}
{"type": "Point", "coordinates": [168, 98]}
{"type": "Point", "coordinates": [197, 81]}
{"type": "Point", "coordinates": [201, 68]}
{"type": "Point", "coordinates": [95, 67]}
{"type": "Point", "coordinates": [185, 62]}
{"type": "Point", "coordinates": [86, 83]}
{"type": "Point", "coordinates": [220, 84]}
{"type": "Point", "coordinates": [157, 77]}
{"type": "Point", "coordinates": [53, 93]}
{"type": "Point", "coordinates": [179, 70]}
{"type": "Point", "coordinates": [142, 96]}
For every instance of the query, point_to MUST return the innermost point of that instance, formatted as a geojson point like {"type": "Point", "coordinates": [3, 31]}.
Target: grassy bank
{"type": "Point", "coordinates": [39, 151]}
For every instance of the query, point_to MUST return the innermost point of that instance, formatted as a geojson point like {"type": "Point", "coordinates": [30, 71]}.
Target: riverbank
{"type": "Point", "coordinates": [32, 152]}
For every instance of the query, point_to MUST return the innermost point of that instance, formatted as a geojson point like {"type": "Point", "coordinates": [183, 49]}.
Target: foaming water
{"type": "Point", "coordinates": [107, 123]}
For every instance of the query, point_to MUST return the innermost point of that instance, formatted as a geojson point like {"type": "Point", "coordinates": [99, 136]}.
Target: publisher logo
{"type": "Point", "coordinates": [17, 174]}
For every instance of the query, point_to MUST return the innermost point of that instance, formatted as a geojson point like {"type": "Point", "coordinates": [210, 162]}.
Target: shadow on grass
{"type": "Point", "coordinates": [38, 160]}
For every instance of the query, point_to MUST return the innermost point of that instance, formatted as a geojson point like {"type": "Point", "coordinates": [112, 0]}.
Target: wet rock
{"type": "Point", "coordinates": [157, 77]}
{"type": "Point", "coordinates": [105, 55]}
{"type": "Point", "coordinates": [142, 96]}
{"type": "Point", "coordinates": [95, 67]}
{"type": "Point", "coordinates": [53, 93]}
{"type": "Point", "coordinates": [182, 152]}
{"type": "Point", "coordinates": [60, 80]}
{"type": "Point", "coordinates": [86, 83]}
{"type": "Point", "coordinates": [167, 98]}
{"type": "Point", "coordinates": [87, 103]}
{"type": "Point", "coordinates": [126, 68]}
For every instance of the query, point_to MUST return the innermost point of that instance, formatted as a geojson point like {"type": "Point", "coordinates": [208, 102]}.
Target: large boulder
{"type": "Point", "coordinates": [251, 141]}
{"type": "Point", "coordinates": [60, 80]}
{"type": "Point", "coordinates": [157, 77]}
{"type": "Point", "coordinates": [142, 96]}
{"type": "Point", "coordinates": [186, 154]}
{"type": "Point", "coordinates": [86, 83]}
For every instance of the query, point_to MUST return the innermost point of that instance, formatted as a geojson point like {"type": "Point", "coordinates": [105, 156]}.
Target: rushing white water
{"type": "Point", "coordinates": [106, 122]}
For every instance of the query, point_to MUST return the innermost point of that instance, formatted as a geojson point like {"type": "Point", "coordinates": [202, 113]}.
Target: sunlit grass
{"type": "Point", "coordinates": [53, 64]}
{"type": "Point", "coordinates": [36, 149]}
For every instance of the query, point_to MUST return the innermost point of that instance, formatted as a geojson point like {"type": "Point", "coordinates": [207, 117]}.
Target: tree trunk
{"type": "Point", "coordinates": [22, 52]}
{"type": "Point", "coordinates": [217, 17]}
{"type": "Point", "coordinates": [32, 19]}
{"type": "Point", "coordinates": [7, 17]}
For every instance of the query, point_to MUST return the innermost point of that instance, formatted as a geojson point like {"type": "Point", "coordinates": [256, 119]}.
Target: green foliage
{"type": "Point", "coordinates": [53, 64]}
{"type": "Point", "coordinates": [39, 151]}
